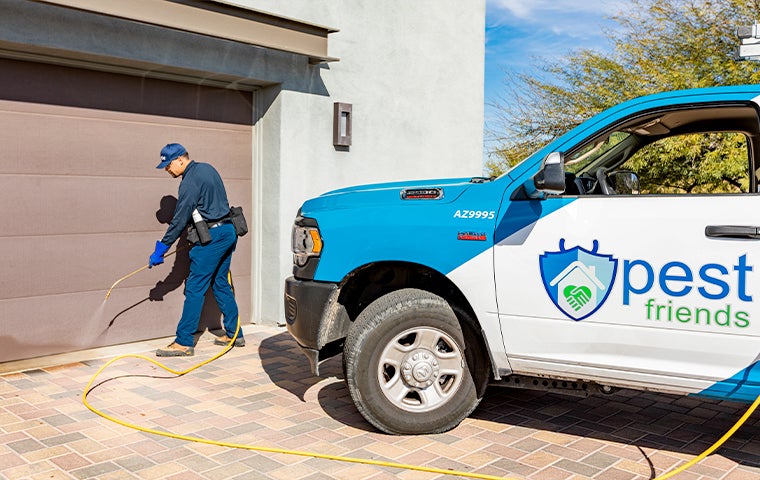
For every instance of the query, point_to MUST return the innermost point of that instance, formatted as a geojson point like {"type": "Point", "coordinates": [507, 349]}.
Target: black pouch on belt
{"type": "Point", "coordinates": [198, 235]}
{"type": "Point", "coordinates": [192, 233]}
{"type": "Point", "coordinates": [238, 220]}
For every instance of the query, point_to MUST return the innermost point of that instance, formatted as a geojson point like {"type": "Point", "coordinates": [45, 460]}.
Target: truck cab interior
{"type": "Point", "coordinates": [690, 150]}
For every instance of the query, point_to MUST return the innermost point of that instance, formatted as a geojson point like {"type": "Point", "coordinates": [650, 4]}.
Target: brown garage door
{"type": "Point", "coordinates": [83, 203]}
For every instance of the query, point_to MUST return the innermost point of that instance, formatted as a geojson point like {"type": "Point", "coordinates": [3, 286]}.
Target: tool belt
{"type": "Point", "coordinates": [221, 221]}
{"type": "Point", "coordinates": [235, 217]}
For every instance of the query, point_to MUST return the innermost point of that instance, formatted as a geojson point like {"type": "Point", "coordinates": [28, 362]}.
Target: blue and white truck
{"type": "Point", "coordinates": [568, 272]}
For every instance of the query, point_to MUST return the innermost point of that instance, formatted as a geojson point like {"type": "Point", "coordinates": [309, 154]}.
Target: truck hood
{"type": "Point", "coordinates": [438, 191]}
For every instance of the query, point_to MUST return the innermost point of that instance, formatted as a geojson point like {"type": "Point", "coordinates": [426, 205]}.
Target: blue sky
{"type": "Point", "coordinates": [519, 33]}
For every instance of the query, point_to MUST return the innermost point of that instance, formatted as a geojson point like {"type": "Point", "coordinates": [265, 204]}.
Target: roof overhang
{"type": "Point", "coordinates": [218, 19]}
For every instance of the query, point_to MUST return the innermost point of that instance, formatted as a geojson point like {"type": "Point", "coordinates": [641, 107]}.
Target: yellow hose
{"type": "Point", "coordinates": [378, 463]}
{"type": "Point", "coordinates": [715, 445]}
{"type": "Point", "coordinates": [88, 388]}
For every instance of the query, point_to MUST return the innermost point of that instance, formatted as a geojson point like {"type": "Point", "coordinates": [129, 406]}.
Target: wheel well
{"type": "Point", "coordinates": [371, 282]}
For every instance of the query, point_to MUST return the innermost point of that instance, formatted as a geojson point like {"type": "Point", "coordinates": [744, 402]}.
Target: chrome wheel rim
{"type": "Point", "coordinates": [421, 369]}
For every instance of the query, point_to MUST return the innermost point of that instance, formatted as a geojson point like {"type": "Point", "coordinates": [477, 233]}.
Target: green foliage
{"type": "Point", "coordinates": [662, 45]}
{"type": "Point", "coordinates": [709, 163]}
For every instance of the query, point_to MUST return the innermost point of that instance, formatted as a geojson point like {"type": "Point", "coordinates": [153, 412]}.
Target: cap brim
{"type": "Point", "coordinates": [164, 164]}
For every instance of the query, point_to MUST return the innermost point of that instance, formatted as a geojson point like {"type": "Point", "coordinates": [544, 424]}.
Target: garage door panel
{"type": "Point", "coordinates": [81, 320]}
{"type": "Point", "coordinates": [41, 265]}
{"type": "Point", "coordinates": [76, 141]}
{"type": "Point", "coordinates": [72, 87]}
{"type": "Point", "coordinates": [77, 321]}
{"type": "Point", "coordinates": [239, 194]}
{"type": "Point", "coordinates": [65, 205]}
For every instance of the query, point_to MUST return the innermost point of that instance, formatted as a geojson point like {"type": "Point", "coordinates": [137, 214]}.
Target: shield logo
{"type": "Point", "coordinates": [578, 280]}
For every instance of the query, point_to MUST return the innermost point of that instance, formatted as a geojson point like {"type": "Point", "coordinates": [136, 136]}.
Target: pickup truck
{"type": "Point", "coordinates": [591, 265]}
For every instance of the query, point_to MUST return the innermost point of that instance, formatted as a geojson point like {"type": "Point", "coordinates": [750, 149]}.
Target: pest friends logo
{"type": "Point", "coordinates": [578, 280]}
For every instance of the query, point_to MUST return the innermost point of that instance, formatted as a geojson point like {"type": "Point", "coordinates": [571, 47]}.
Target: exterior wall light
{"type": "Point", "coordinates": [341, 124]}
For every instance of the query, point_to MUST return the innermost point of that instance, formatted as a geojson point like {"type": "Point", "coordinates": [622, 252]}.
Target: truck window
{"type": "Point", "coordinates": [700, 163]}
{"type": "Point", "coordinates": [589, 154]}
{"type": "Point", "coordinates": [694, 151]}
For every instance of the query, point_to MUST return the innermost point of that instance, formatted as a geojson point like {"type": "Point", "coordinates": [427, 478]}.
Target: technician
{"type": "Point", "coordinates": [201, 189]}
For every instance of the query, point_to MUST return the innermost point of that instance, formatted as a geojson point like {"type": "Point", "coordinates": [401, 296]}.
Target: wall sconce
{"type": "Point", "coordinates": [341, 124]}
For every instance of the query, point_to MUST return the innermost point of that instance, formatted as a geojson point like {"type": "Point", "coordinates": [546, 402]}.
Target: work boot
{"type": "Point", "coordinates": [225, 340]}
{"type": "Point", "coordinates": [175, 350]}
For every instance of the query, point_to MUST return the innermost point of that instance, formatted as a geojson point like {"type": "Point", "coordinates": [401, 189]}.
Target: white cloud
{"type": "Point", "coordinates": [538, 10]}
{"type": "Point", "coordinates": [571, 18]}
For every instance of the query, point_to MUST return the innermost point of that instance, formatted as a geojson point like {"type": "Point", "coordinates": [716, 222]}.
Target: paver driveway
{"type": "Point", "coordinates": [264, 395]}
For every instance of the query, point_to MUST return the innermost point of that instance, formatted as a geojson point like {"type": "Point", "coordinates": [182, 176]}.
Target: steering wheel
{"type": "Point", "coordinates": [604, 182]}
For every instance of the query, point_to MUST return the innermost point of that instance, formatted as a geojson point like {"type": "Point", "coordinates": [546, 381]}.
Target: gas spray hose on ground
{"type": "Point", "coordinates": [401, 466]}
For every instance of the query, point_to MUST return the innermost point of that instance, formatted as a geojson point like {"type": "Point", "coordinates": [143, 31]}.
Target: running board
{"type": "Point", "coordinates": [580, 388]}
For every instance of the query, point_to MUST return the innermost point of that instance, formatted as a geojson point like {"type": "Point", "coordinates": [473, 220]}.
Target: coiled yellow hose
{"type": "Point", "coordinates": [89, 387]}
{"type": "Point", "coordinates": [402, 466]}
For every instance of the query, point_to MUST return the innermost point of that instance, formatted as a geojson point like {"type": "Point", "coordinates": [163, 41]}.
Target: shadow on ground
{"type": "Point", "coordinates": [681, 424]}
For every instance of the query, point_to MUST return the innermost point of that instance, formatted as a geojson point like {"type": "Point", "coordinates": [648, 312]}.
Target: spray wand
{"type": "Point", "coordinates": [140, 270]}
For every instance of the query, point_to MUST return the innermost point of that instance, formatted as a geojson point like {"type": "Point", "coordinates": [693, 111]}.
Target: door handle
{"type": "Point", "coordinates": [732, 231]}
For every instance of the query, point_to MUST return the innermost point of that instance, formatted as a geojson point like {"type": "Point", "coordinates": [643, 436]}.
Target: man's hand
{"type": "Point", "coordinates": [157, 257]}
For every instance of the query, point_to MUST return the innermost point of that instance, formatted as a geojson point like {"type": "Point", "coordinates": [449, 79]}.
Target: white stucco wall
{"type": "Point", "coordinates": [413, 71]}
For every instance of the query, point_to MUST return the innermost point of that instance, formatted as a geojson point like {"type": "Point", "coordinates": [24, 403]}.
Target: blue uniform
{"type": "Point", "coordinates": [202, 188]}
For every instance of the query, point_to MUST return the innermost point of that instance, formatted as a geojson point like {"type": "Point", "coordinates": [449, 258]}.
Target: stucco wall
{"type": "Point", "coordinates": [413, 72]}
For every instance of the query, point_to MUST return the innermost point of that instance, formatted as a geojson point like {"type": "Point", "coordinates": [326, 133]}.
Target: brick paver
{"type": "Point", "coordinates": [264, 395]}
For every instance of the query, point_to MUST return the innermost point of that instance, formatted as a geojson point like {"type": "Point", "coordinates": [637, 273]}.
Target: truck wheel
{"type": "Point", "coordinates": [406, 367]}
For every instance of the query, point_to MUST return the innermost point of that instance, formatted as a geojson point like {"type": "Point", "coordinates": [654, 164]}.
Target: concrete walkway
{"type": "Point", "coordinates": [263, 394]}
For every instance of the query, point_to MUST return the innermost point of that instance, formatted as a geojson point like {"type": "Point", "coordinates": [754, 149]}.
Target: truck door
{"type": "Point", "coordinates": [645, 272]}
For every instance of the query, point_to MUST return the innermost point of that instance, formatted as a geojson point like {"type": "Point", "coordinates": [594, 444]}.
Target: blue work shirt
{"type": "Point", "coordinates": [202, 188]}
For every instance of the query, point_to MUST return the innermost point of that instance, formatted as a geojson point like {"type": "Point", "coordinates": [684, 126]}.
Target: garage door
{"type": "Point", "coordinates": [83, 203]}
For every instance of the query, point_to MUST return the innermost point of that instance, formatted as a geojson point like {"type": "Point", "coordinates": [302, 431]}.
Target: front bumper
{"type": "Point", "coordinates": [309, 314]}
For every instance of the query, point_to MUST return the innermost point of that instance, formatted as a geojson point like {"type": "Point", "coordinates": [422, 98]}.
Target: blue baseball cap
{"type": "Point", "coordinates": [169, 153]}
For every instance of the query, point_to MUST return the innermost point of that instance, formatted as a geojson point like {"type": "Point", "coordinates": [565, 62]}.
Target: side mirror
{"type": "Point", "coordinates": [550, 178]}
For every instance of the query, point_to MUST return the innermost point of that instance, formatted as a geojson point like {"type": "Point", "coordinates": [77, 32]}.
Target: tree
{"type": "Point", "coordinates": [662, 45]}
{"type": "Point", "coordinates": [697, 163]}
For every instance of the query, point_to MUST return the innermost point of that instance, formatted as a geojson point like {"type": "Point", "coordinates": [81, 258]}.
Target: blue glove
{"type": "Point", "coordinates": [157, 257]}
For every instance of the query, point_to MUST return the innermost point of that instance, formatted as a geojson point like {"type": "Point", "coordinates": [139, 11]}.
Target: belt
{"type": "Point", "coordinates": [219, 222]}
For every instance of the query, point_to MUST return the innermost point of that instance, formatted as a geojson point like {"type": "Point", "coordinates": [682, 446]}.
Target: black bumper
{"type": "Point", "coordinates": [305, 305]}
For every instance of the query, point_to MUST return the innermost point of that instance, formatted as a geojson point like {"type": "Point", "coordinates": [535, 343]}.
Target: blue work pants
{"type": "Point", "coordinates": [209, 265]}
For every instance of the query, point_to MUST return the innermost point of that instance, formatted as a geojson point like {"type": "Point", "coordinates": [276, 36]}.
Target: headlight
{"type": "Point", "coordinates": [306, 242]}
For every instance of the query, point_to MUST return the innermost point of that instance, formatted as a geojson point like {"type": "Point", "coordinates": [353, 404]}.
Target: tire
{"type": "Point", "coordinates": [405, 364]}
